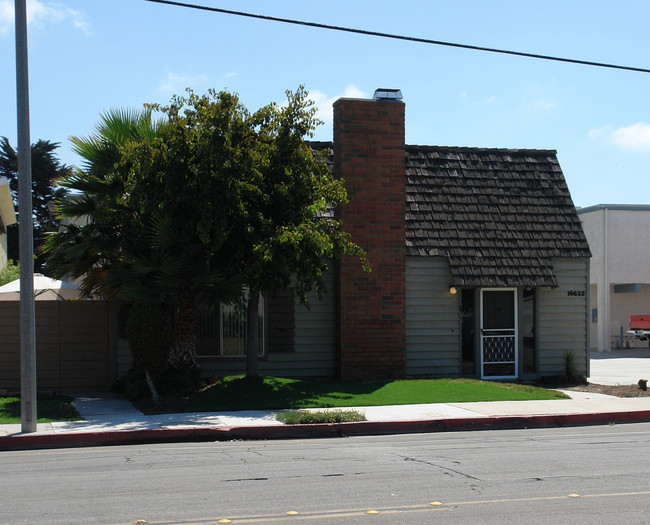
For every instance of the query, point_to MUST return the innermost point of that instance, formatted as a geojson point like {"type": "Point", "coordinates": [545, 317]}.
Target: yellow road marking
{"type": "Point", "coordinates": [346, 513]}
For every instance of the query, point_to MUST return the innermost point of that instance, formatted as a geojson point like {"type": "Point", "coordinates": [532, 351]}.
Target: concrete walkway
{"type": "Point", "coordinates": [110, 419]}
{"type": "Point", "coordinates": [620, 367]}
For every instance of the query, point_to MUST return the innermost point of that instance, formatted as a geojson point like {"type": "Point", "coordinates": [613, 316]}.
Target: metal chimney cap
{"type": "Point", "coordinates": [388, 95]}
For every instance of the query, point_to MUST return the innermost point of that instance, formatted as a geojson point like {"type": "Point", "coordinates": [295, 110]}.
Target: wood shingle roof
{"type": "Point", "coordinates": [499, 215]}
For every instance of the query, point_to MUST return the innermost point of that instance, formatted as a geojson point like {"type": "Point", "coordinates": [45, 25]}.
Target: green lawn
{"type": "Point", "coordinates": [49, 408]}
{"type": "Point", "coordinates": [240, 393]}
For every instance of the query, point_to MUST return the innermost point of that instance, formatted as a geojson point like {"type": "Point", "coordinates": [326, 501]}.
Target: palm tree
{"type": "Point", "coordinates": [121, 246]}
{"type": "Point", "coordinates": [100, 227]}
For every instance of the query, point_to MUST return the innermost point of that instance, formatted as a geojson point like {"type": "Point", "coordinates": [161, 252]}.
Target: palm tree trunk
{"type": "Point", "coordinates": [183, 349]}
{"type": "Point", "coordinates": [252, 335]}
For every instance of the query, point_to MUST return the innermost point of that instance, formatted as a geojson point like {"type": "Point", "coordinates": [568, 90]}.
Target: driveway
{"type": "Point", "coordinates": [620, 367]}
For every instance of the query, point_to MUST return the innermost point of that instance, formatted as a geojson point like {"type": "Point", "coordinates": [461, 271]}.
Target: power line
{"type": "Point", "coordinates": [400, 37]}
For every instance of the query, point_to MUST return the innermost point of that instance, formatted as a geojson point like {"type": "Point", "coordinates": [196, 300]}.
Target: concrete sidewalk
{"type": "Point", "coordinates": [619, 367]}
{"type": "Point", "coordinates": [110, 419]}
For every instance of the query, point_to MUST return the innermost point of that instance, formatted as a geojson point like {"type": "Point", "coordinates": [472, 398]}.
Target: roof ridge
{"type": "Point", "coordinates": [480, 149]}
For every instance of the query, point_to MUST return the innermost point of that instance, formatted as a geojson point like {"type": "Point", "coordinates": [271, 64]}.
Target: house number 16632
{"type": "Point", "coordinates": [575, 293]}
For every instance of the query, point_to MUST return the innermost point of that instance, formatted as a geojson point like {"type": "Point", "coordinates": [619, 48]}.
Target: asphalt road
{"type": "Point", "coordinates": [594, 475]}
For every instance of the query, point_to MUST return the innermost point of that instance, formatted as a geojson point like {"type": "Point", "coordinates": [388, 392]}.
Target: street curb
{"type": "Point", "coordinates": [322, 430]}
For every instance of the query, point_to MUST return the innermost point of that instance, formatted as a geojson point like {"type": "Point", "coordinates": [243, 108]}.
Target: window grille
{"type": "Point", "coordinates": [223, 333]}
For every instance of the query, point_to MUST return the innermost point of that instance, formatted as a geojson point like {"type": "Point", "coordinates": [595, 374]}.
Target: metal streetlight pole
{"type": "Point", "coordinates": [25, 229]}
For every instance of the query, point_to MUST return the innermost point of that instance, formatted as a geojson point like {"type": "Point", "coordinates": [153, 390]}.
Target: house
{"type": "Point", "coordinates": [480, 265]}
{"type": "Point", "coordinates": [480, 268]}
{"type": "Point", "coordinates": [7, 217]}
{"type": "Point", "coordinates": [619, 236]}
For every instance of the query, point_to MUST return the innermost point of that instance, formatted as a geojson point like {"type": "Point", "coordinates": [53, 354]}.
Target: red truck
{"type": "Point", "coordinates": [640, 327]}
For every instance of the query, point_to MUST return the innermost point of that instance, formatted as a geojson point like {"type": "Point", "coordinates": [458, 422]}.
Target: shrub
{"type": "Point", "coordinates": [10, 273]}
{"type": "Point", "coordinates": [302, 417]}
{"type": "Point", "coordinates": [570, 367]}
{"type": "Point", "coordinates": [171, 379]}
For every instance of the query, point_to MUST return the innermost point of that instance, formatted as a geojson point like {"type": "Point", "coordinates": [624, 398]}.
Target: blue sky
{"type": "Point", "coordinates": [87, 56]}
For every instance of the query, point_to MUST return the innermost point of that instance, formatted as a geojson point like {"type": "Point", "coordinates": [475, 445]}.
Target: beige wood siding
{"type": "Point", "coordinates": [562, 317]}
{"type": "Point", "coordinates": [313, 352]}
{"type": "Point", "coordinates": [432, 320]}
{"type": "Point", "coordinates": [314, 341]}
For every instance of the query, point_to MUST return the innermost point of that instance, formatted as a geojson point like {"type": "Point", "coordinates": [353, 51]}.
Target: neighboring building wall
{"type": "Point", "coordinates": [621, 307]}
{"type": "Point", "coordinates": [3, 251]}
{"type": "Point", "coordinates": [619, 238]}
{"type": "Point", "coordinates": [432, 319]}
{"type": "Point", "coordinates": [562, 318]}
{"type": "Point", "coordinates": [369, 156]}
{"type": "Point", "coordinates": [7, 217]}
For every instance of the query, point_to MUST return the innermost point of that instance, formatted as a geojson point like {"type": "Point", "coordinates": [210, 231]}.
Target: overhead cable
{"type": "Point", "coordinates": [400, 37]}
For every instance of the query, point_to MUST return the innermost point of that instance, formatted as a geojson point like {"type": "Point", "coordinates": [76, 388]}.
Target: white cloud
{"type": "Point", "coordinates": [540, 97]}
{"type": "Point", "coordinates": [174, 84]}
{"type": "Point", "coordinates": [543, 104]}
{"type": "Point", "coordinates": [324, 103]}
{"type": "Point", "coordinates": [231, 74]}
{"type": "Point", "coordinates": [41, 14]}
{"type": "Point", "coordinates": [635, 137]}
{"type": "Point", "coordinates": [596, 133]}
{"type": "Point", "coordinates": [6, 16]}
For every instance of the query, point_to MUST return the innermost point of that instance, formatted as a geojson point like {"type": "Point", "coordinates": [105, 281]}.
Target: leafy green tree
{"type": "Point", "coordinates": [128, 238]}
{"type": "Point", "coordinates": [188, 182]}
{"type": "Point", "coordinates": [251, 188]}
{"type": "Point", "coordinates": [290, 233]}
{"type": "Point", "coordinates": [9, 273]}
{"type": "Point", "coordinates": [212, 198]}
{"type": "Point", "coordinates": [46, 169]}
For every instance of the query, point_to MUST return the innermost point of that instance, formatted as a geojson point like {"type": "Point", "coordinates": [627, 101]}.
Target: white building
{"type": "Point", "coordinates": [619, 238]}
{"type": "Point", "coordinates": [7, 217]}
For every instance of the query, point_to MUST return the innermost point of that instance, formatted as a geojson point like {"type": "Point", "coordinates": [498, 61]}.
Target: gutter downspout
{"type": "Point", "coordinates": [606, 344]}
{"type": "Point", "coordinates": [587, 331]}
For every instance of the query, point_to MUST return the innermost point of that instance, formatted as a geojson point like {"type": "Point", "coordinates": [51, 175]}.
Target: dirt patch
{"type": "Point", "coordinates": [611, 390]}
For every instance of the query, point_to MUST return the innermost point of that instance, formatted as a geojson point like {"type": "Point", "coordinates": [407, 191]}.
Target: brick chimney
{"type": "Point", "coordinates": [369, 155]}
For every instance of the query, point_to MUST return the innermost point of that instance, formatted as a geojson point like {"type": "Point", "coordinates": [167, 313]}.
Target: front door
{"type": "Point", "coordinates": [498, 333]}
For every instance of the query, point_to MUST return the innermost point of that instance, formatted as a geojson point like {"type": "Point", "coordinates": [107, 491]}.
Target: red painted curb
{"type": "Point", "coordinates": [325, 430]}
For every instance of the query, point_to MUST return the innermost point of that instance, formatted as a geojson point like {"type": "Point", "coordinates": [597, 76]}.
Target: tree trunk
{"type": "Point", "coordinates": [183, 350]}
{"type": "Point", "coordinates": [152, 387]}
{"type": "Point", "coordinates": [252, 335]}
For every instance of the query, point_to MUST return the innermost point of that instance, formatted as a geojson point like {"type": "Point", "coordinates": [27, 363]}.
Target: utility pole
{"type": "Point", "coordinates": [25, 230]}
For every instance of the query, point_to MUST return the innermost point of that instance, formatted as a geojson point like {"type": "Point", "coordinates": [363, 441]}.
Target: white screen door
{"type": "Point", "coordinates": [499, 333]}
